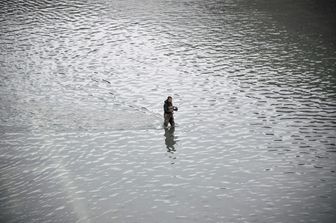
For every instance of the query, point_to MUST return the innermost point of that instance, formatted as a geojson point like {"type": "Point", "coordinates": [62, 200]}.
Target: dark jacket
{"type": "Point", "coordinates": [166, 106]}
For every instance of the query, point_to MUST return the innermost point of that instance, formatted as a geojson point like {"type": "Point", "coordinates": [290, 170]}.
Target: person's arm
{"type": "Point", "coordinates": [165, 108]}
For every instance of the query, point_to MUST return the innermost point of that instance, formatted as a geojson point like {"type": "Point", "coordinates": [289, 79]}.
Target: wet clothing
{"type": "Point", "coordinates": [168, 113]}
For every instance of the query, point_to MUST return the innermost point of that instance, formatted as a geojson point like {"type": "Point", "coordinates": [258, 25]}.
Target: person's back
{"type": "Point", "coordinates": [168, 106]}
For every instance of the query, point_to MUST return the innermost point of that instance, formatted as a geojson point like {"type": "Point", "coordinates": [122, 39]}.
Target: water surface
{"type": "Point", "coordinates": [82, 89]}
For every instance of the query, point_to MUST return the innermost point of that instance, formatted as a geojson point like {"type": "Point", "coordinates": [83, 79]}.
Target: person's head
{"type": "Point", "coordinates": [170, 99]}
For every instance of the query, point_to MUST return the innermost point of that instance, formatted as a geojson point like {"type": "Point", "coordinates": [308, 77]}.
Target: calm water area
{"type": "Point", "coordinates": [82, 85]}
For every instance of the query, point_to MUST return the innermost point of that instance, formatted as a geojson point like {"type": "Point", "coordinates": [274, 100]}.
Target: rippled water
{"type": "Point", "coordinates": [81, 93]}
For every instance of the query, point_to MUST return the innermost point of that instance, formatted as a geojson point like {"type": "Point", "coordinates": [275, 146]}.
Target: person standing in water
{"type": "Point", "coordinates": [169, 112]}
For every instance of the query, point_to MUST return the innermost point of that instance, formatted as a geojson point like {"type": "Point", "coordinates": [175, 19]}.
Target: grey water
{"type": "Point", "coordinates": [82, 85]}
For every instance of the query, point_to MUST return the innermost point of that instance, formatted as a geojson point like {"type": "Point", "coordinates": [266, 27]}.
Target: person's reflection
{"type": "Point", "coordinates": [170, 139]}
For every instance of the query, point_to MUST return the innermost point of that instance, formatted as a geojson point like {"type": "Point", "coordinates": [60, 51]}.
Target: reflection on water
{"type": "Point", "coordinates": [81, 90]}
{"type": "Point", "coordinates": [170, 141]}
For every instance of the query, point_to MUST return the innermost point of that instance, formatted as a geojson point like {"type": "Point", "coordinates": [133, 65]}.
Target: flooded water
{"type": "Point", "coordinates": [81, 95]}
